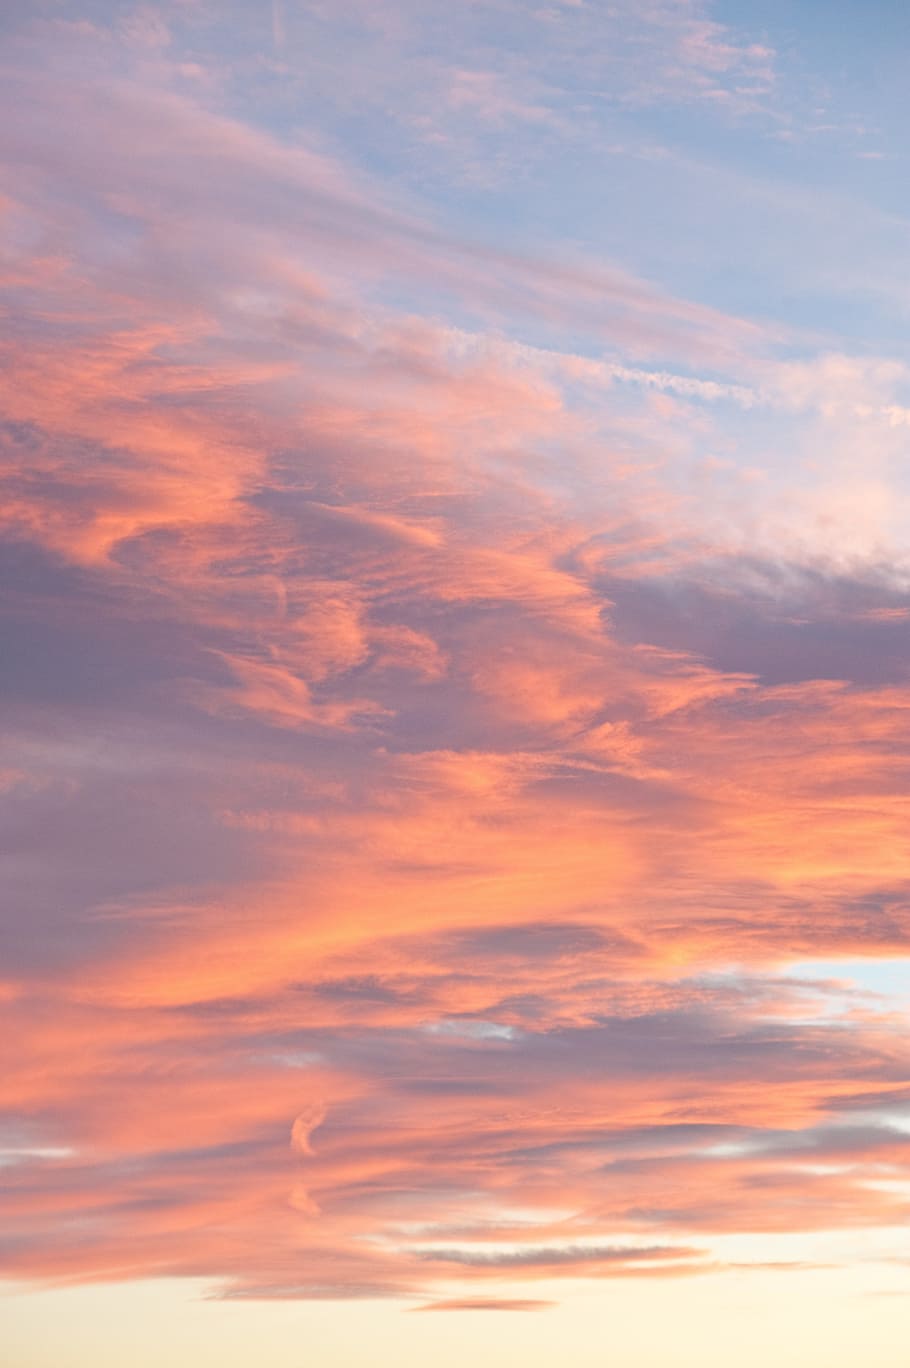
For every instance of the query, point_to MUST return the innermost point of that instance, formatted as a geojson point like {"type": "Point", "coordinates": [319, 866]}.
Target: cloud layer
{"type": "Point", "coordinates": [446, 702]}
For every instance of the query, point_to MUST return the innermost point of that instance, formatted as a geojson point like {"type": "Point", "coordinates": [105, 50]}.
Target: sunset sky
{"type": "Point", "coordinates": [456, 711]}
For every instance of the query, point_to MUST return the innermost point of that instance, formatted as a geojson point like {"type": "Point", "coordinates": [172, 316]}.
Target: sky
{"type": "Point", "coordinates": [455, 775]}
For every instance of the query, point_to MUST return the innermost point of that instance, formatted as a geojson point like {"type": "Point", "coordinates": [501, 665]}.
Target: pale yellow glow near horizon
{"type": "Point", "coordinates": [838, 1318]}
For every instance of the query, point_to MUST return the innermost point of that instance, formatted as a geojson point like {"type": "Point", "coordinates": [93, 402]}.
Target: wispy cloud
{"type": "Point", "coordinates": [448, 683]}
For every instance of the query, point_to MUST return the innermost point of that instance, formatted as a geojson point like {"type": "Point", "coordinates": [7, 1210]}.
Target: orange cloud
{"type": "Point", "coordinates": [415, 803]}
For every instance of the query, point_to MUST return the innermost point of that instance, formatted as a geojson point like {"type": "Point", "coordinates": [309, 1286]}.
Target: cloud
{"type": "Point", "coordinates": [574, 1256]}
{"type": "Point", "coordinates": [304, 1125]}
{"type": "Point", "coordinates": [486, 1304]}
{"type": "Point", "coordinates": [418, 780]}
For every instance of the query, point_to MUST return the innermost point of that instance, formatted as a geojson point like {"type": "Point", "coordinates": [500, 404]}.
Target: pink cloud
{"type": "Point", "coordinates": [414, 799]}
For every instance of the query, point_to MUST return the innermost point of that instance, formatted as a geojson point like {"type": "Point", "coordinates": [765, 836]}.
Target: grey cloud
{"type": "Point", "coordinates": [558, 1256]}
{"type": "Point", "coordinates": [781, 623]}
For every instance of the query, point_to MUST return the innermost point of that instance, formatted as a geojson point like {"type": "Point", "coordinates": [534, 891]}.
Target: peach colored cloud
{"type": "Point", "coordinates": [415, 804]}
